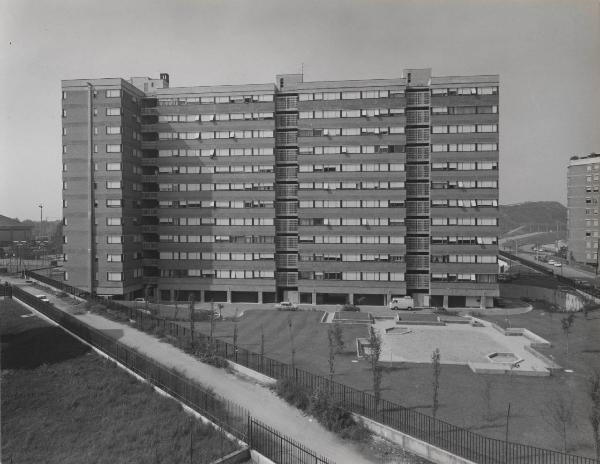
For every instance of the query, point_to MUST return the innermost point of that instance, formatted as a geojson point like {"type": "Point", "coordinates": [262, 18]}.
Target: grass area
{"type": "Point", "coordinates": [62, 403]}
{"type": "Point", "coordinates": [474, 401]}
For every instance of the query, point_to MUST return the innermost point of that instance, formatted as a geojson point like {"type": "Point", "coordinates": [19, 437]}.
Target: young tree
{"type": "Point", "coordinates": [176, 296]}
{"type": "Point", "coordinates": [336, 344]}
{"type": "Point", "coordinates": [487, 397]}
{"type": "Point", "coordinates": [373, 357]}
{"type": "Point", "coordinates": [192, 322]}
{"type": "Point", "coordinates": [594, 394]}
{"type": "Point", "coordinates": [437, 369]}
{"type": "Point", "coordinates": [567, 323]}
{"type": "Point", "coordinates": [560, 416]}
{"type": "Point", "coordinates": [292, 347]}
{"type": "Point", "coordinates": [262, 345]}
{"type": "Point", "coordinates": [235, 339]}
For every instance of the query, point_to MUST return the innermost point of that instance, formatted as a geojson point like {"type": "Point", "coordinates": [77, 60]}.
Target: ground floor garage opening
{"type": "Point", "coordinates": [332, 298]}
{"type": "Point", "coordinates": [215, 295]}
{"type": "Point", "coordinates": [369, 299]}
{"type": "Point", "coordinates": [244, 297]}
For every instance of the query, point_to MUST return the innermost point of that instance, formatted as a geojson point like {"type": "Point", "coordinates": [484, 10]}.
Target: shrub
{"type": "Point", "coordinates": [293, 393]}
{"type": "Point", "coordinates": [350, 307]}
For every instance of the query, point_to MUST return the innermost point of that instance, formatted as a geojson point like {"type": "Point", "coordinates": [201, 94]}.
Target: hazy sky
{"type": "Point", "coordinates": [546, 52]}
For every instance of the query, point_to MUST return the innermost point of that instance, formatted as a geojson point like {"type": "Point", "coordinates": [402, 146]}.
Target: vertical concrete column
{"type": "Point", "coordinates": [445, 302]}
{"type": "Point", "coordinates": [260, 297]}
{"type": "Point", "coordinates": [228, 295]}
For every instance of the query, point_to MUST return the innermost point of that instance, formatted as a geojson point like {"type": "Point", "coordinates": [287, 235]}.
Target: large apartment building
{"type": "Point", "coordinates": [315, 192]}
{"type": "Point", "coordinates": [583, 204]}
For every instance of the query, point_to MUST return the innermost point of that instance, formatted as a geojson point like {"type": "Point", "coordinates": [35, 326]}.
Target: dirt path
{"type": "Point", "coordinates": [262, 403]}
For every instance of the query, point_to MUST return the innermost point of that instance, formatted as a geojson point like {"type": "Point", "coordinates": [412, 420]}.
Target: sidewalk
{"type": "Point", "coordinates": [262, 403]}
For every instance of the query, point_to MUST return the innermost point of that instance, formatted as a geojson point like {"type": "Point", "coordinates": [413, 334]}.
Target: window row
{"type": "Point", "coordinates": [351, 221]}
{"type": "Point", "coordinates": [212, 256]}
{"type": "Point", "coordinates": [225, 169]}
{"type": "Point", "coordinates": [352, 239]}
{"type": "Point", "coordinates": [463, 240]}
{"type": "Point", "coordinates": [465, 91]}
{"type": "Point", "coordinates": [464, 128]}
{"type": "Point", "coordinates": [450, 147]}
{"type": "Point", "coordinates": [247, 186]}
{"type": "Point", "coordinates": [215, 99]}
{"type": "Point", "coordinates": [256, 239]}
{"type": "Point", "coordinates": [212, 152]}
{"type": "Point", "coordinates": [215, 117]}
{"type": "Point", "coordinates": [351, 95]}
{"type": "Point", "coordinates": [465, 184]}
{"type": "Point", "coordinates": [193, 203]}
{"type": "Point", "coordinates": [464, 221]}
{"type": "Point", "coordinates": [365, 113]}
{"type": "Point", "coordinates": [459, 203]}
{"type": "Point", "coordinates": [349, 149]}
{"type": "Point", "coordinates": [370, 276]}
{"type": "Point", "coordinates": [208, 135]}
{"type": "Point", "coordinates": [464, 166]}
{"type": "Point", "coordinates": [216, 274]}
{"type": "Point", "coordinates": [342, 257]}
{"type": "Point", "coordinates": [350, 185]}
{"type": "Point", "coordinates": [212, 221]}
{"type": "Point", "coordinates": [351, 203]}
{"type": "Point", "coordinates": [370, 167]}
{"type": "Point", "coordinates": [464, 109]}
{"type": "Point", "coordinates": [473, 278]}
{"type": "Point", "coordinates": [320, 132]}
{"type": "Point", "coordinates": [471, 259]}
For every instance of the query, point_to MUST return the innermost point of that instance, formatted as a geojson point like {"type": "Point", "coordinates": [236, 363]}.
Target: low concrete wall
{"type": "Point", "coordinates": [258, 458]}
{"type": "Point", "coordinates": [412, 444]}
{"type": "Point", "coordinates": [236, 457]}
{"type": "Point", "coordinates": [566, 301]}
{"type": "Point", "coordinates": [247, 372]}
{"type": "Point", "coordinates": [552, 366]}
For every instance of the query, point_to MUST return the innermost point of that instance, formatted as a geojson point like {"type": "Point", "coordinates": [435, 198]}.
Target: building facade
{"type": "Point", "coordinates": [314, 192]}
{"type": "Point", "coordinates": [583, 203]}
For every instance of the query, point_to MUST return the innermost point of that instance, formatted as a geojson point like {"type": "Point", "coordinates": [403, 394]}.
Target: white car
{"type": "Point", "coordinates": [402, 302]}
{"type": "Point", "coordinates": [551, 262]}
{"type": "Point", "coordinates": [43, 298]}
{"type": "Point", "coordinates": [557, 264]}
{"type": "Point", "coordinates": [286, 306]}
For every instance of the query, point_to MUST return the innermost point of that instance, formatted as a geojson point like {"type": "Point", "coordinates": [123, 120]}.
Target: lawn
{"type": "Point", "coordinates": [62, 403]}
{"type": "Point", "coordinates": [474, 401]}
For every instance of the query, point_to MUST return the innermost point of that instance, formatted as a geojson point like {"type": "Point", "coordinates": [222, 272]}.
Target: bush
{"type": "Point", "coordinates": [293, 393]}
{"type": "Point", "coordinates": [350, 307]}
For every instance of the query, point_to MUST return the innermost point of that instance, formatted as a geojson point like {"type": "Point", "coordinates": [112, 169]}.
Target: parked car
{"type": "Point", "coordinates": [286, 306]}
{"type": "Point", "coordinates": [551, 262]}
{"type": "Point", "coordinates": [43, 298]}
{"type": "Point", "coordinates": [139, 300]}
{"type": "Point", "coordinates": [402, 302]}
{"type": "Point", "coordinates": [557, 264]}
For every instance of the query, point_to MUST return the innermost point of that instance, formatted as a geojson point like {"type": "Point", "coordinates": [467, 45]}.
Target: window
{"type": "Point", "coordinates": [114, 258]}
{"type": "Point", "coordinates": [113, 148]}
{"type": "Point", "coordinates": [350, 95]}
{"type": "Point", "coordinates": [112, 239]}
{"type": "Point", "coordinates": [113, 166]}
{"type": "Point", "coordinates": [111, 130]}
{"type": "Point", "coordinates": [114, 221]}
{"type": "Point", "coordinates": [113, 184]}
{"type": "Point", "coordinates": [114, 276]}
{"type": "Point", "coordinates": [114, 203]}
{"type": "Point", "coordinates": [113, 111]}
{"type": "Point", "coordinates": [113, 93]}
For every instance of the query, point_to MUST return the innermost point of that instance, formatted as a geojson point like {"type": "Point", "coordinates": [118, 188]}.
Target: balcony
{"type": "Point", "coordinates": [149, 228]}
{"type": "Point", "coordinates": [418, 98]}
{"type": "Point", "coordinates": [149, 212]}
{"type": "Point", "coordinates": [286, 103]}
{"type": "Point", "coordinates": [286, 155]}
{"type": "Point", "coordinates": [150, 245]}
{"type": "Point", "coordinates": [286, 261]}
{"type": "Point", "coordinates": [149, 195]}
{"type": "Point", "coordinates": [286, 279]}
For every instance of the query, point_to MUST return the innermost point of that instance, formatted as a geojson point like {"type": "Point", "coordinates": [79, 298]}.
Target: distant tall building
{"type": "Point", "coordinates": [583, 202]}
{"type": "Point", "coordinates": [315, 192]}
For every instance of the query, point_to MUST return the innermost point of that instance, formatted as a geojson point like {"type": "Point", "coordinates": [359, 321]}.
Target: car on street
{"type": "Point", "coordinates": [557, 264]}
{"type": "Point", "coordinates": [286, 306]}
{"type": "Point", "coordinates": [551, 262]}
{"type": "Point", "coordinates": [43, 298]}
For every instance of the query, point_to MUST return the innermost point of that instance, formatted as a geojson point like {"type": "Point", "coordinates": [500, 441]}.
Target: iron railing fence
{"type": "Point", "coordinates": [228, 415]}
{"type": "Point", "coordinates": [462, 442]}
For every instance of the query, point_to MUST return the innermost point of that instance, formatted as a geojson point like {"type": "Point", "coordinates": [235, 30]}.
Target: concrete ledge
{"type": "Point", "coordinates": [412, 444]}
{"type": "Point", "coordinates": [247, 372]}
{"type": "Point", "coordinates": [552, 366]}
{"type": "Point", "coordinates": [489, 368]}
{"type": "Point", "coordinates": [258, 458]}
{"type": "Point", "coordinates": [438, 323]}
{"type": "Point", "coordinates": [236, 457]}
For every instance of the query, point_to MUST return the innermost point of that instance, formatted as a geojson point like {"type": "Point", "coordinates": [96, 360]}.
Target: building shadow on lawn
{"type": "Point", "coordinates": [41, 345]}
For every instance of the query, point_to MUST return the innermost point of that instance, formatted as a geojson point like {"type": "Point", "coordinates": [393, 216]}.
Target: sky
{"type": "Point", "coordinates": [547, 53]}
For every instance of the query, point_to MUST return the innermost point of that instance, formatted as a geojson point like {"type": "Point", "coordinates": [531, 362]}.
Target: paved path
{"type": "Point", "coordinates": [262, 403]}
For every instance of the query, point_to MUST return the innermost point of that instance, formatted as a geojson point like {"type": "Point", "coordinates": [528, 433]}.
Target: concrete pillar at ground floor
{"type": "Point", "coordinates": [445, 302]}
{"type": "Point", "coordinates": [351, 298]}
{"type": "Point", "coordinates": [260, 298]}
{"type": "Point", "coordinates": [228, 295]}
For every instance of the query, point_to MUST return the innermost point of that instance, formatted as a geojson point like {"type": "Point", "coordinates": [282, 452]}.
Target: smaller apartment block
{"type": "Point", "coordinates": [583, 203]}
{"type": "Point", "coordinates": [321, 192]}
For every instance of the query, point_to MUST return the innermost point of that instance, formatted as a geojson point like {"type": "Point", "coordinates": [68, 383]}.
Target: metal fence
{"type": "Point", "coordinates": [462, 442]}
{"type": "Point", "coordinates": [230, 416]}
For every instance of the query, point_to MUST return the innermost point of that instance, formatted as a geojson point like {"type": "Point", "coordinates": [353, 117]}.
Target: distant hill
{"type": "Point", "coordinates": [532, 216]}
